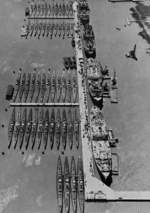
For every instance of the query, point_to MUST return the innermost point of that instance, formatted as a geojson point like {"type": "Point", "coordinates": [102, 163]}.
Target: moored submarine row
{"type": "Point", "coordinates": [46, 105]}
{"type": "Point", "coordinates": [70, 185]}
{"type": "Point", "coordinates": [39, 128]}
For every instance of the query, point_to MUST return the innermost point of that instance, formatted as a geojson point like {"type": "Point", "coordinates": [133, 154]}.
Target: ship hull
{"type": "Point", "coordinates": [59, 185]}
{"type": "Point", "coordinates": [80, 174]}
{"type": "Point", "coordinates": [66, 186]}
{"type": "Point", "coordinates": [73, 182]}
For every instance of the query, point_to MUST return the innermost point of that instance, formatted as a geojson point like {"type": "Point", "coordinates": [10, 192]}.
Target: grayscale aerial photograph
{"type": "Point", "coordinates": [74, 106]}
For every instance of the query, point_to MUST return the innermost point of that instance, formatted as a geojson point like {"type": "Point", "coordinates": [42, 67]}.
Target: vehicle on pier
{"type": "Point", "coordinates": [46, 129]}
{"type": "Point", "coordinates": [81, 190]}
{"type": "Point", "coordinates": [11, 126]}
{"type": "Point", "coordinates": [27, 87]}
{"type": "Point", "coordinates": [73, 182]}
{"type": "Point", "coordinates": [67, 187]}
{"type": "Point", "coordinates": [64, 129]}
{"type": "Point", "coordinates": [66, 62]}
{"type": "Point", "coordinates": [28, 129]}
{"type": "Point", "coordinates": [23, 127]}
{"type": "Point", "coordinates": [58, 129]}
{"type": "Point", "coordinates": [59, 185]}
{"type": "Point", "coordinates": [34, 128]}
{"type": "Point", "coordinates": [40, 130]}
{"type": "Point", "coordinates": [70, 128]}
{"type": "Point", "coordinates": [52, 128]}
{"type": "Point", "coordinates": [27, 12]}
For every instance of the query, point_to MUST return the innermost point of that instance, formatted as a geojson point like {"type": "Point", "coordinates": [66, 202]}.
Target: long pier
{"type": "Point", "coordinates": [95, 190]}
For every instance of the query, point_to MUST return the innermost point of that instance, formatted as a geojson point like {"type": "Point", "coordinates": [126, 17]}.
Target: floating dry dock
{"type": "Point", "coordinates": [95, 190]}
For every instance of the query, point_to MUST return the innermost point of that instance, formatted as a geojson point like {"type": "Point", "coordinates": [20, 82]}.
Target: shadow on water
{"type": "Point", "coordinates": [141, 13]}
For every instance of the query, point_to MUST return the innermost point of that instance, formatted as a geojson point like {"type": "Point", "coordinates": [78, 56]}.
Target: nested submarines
{"type": "Point", "coordinates": [74, 186]}
{"type": "Point", "coordinates": [66, 186]}
{"type": "Point", "coordinates": [34, 128]}
{"type": "Point", "coordinates": [22, 127]}
{"type": "Point", "coordinates": [70, 129]}
{"type": "Point", "coordinates": [52, 129]}
{"type": "Point", "coordinates": [58, 129]}
{"type": "Point", "coordinates": [11, 126]}
{"type": "Point", "coordinates": [40, 128]}
{"type": "Point", "coordinates": [17, 129]}
{"type": "Point", "coordinates": [64, 129]}
{"type": "Point", "coordinates": [46, 129]}
{"type": "Point", "coordinates": [59, 185]}
{"type": "Point", "coordinates": [28, 129]}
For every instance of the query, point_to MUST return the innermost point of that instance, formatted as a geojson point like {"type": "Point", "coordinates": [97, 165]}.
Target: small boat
{"type": "Point", "coordinates": [59, 185]}
{"type": "Point", "coordinates": [22, 127]}
{"type": "Point", "coordinates": [40, 128]}
{"type": "Point", "coordinates": [76, 128]}
{"type": "Point", "coordinates": [64, 129]}
{"type": "Point", "coordinates": [27, 87]}
{"type": "Point", "coordinates": [74, 90]}
{"type": "Point", "coordinates": [28, 129]}
{"type": "Point", "coordinates": [11, 127]}
{"type": "Point", "coordinates": [59, 88]}
{"type": "Point", "coordinates": [17, 129]}
{"type": "Point", "coordinates": [22, 87]}
{"type": "Point", "coordinates": [32, 88]}
{"type": "Point", "coordinates": [53, 89]}
{"type": "Point", "coordinates": [80, 175]}
{"type": "Point", "coordinates": [58, 129]}
{"type": "Point", "coordinates": [17, 86]}
{"type": "Point", "coordinates": [64, 89]}
{"type": "Point", "coordinates": [66, 186]}
{"type": "Point", "coordinates": [74, 187]}
{"type": "Point", "coordinates": [70, 129]}
{"type": "Point", "coordinates": [52, 128]}
{"type": "Point", "coordinates": [69, 90]}
{"type": "Point", "coordinates": [43, 87]}
{"type": "Point", "coordinates": [38, 87]}
{"type": "Point", "coordinates": [46, 129]}
{"type": "Point", "coordinates": [34, 128]}
{"type": "Point", "coordinates": [9, 92]}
